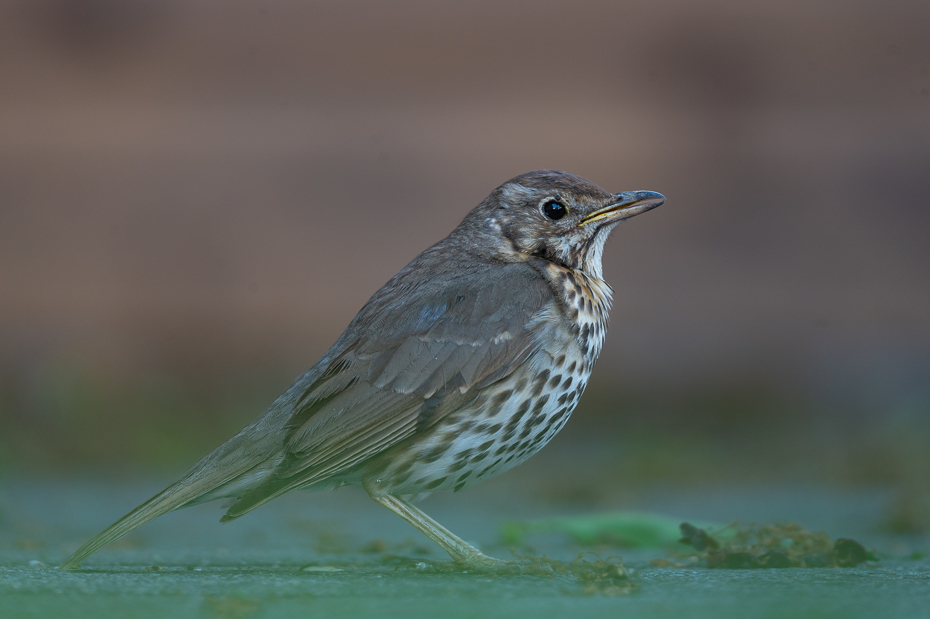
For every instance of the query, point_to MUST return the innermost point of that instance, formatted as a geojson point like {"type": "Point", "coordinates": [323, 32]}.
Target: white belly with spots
{"type": "Point", "coordinates": [508, 424]}
{"type": "Point", "coordinates": [513, 419]}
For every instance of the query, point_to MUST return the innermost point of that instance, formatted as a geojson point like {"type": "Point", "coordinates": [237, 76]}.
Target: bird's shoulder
{"type": "Point", "coordinates": [421, 348]}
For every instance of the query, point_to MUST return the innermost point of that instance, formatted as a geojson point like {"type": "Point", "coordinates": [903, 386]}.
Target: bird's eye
{"type": "Point", "coordinates": [553, 209]}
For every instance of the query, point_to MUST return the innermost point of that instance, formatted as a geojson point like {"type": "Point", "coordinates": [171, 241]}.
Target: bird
{"type": "Point", "coordinates": [463, 365]}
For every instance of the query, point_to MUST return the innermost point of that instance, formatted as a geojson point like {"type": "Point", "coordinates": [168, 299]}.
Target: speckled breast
{"type": "Point", "coordinates": [516, 417]}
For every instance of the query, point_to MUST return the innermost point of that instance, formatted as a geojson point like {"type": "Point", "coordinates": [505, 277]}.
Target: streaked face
{"type": "Point", "coordinates": [563, 218]}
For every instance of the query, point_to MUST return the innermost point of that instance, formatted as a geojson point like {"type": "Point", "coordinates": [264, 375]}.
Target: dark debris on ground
{"type": "Point", "coordinates": [756, 546]}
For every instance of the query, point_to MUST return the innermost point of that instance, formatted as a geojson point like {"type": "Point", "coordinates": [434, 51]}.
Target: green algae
{"type": "Point", "coordinates": [621, 529]}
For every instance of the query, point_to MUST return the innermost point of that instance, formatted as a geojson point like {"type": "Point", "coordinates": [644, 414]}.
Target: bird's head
{"type": "Point", "coordinates": [559, 216]}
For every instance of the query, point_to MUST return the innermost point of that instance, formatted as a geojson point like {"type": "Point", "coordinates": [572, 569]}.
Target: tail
{"type": "Point", "coordinates": [228, 471]}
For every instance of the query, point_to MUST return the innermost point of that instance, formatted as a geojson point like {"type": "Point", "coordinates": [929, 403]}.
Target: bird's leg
{"type": "Point", "coordinates": [460, 550]}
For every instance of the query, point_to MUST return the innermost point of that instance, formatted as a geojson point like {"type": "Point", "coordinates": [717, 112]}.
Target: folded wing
{"type": "Point", "coordinates": [422, 355]}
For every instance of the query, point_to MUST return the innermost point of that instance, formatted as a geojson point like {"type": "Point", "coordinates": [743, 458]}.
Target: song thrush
{"type": "Point", "coordinates": [463, 365]}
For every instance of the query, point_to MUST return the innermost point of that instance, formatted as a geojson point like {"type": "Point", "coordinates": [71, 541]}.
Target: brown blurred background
{"type": "Point", "coordinates": [197, 196]}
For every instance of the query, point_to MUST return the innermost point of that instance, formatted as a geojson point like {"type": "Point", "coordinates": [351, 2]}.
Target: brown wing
{"type": "Point", "coordinates": [414, 354]}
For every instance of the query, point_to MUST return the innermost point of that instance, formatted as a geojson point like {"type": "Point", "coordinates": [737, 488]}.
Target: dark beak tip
{"type": "Point", "coordinates": [628, 204]}
{"type": "Point", "coordinates": [651, 197]}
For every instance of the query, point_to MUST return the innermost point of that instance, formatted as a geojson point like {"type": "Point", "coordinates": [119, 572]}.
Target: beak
{"type": "Point", "coordinates": [628, 204]}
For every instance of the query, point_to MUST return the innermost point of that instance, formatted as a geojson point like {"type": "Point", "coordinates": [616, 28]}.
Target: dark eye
{"type": "Point", "coordinates": [553, 209]}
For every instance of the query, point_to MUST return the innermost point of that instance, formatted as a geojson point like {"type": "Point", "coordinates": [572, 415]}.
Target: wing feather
{"type": "Point", "coordinates": [423, 354]}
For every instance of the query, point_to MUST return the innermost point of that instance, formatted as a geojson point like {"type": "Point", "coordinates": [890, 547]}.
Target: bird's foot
{"type": "Point", "coordinates": [480, 562]}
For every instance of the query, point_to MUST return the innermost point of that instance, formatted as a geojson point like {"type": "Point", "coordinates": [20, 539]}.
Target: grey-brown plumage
{"type": "Point", "coordinates": [463, 365]}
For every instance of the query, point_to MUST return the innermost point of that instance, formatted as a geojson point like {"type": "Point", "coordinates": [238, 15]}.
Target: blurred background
{"type": "Point", "coordinates": [196, 197]}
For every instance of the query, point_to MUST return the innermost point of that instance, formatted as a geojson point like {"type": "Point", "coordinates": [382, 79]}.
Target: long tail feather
{"type": "Point", "coordinates": [172, 497]}
{"type": "Point", "coordinates": [222, 473]}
